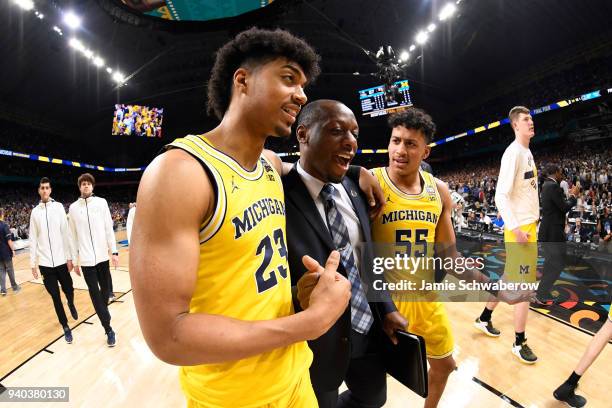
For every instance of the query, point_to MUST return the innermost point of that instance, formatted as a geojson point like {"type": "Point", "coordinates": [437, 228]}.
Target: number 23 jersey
{"type": "Point", "coordinates": [243, 273]}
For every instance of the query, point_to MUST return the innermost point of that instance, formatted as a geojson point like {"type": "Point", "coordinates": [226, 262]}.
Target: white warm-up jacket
{"type": "Point", "coordinates": [91, 231]}
{"type": "Point", "coordinates": [49, 235]}
{"type": "Point", "coordinates": [130, 222]}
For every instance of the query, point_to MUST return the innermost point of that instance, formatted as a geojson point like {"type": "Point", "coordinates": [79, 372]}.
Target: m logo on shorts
{"type": "Point", "coordinates": [524, 269]}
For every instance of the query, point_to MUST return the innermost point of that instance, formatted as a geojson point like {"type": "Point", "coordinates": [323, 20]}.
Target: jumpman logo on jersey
{"type": "Point", "coordinates": [389, 199]}
{"type": "Point", "coordinates": [234, 185]}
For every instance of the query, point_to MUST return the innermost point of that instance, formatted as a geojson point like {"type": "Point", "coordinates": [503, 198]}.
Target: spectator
{"type": "Point", "coordinates": [7, 251]}
{"type": "Point", "coordinates": [604, 230]}
{"type": "Point", "coordinates": [498, 221]}
{"type": "Point", "coordinates": [579, 233]}
{"type": "Point", "coordinates": [486, 220]}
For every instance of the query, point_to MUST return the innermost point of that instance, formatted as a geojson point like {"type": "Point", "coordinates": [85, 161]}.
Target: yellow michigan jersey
{"type": "Point", "coordinates": [243, 273]}
{"type": "Point", "coordinates": [408, 226]}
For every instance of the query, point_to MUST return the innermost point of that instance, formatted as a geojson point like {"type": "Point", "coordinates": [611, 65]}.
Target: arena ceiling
{"type": "Point", "coordinates": [488, 43]}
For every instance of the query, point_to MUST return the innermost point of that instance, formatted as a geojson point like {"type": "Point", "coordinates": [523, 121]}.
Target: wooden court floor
{"type": "Point", "coordinates": [34, 353]}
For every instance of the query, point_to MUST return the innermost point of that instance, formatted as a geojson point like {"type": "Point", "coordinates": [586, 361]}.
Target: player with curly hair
{"type": "Point", "coordinates": [208, 260]}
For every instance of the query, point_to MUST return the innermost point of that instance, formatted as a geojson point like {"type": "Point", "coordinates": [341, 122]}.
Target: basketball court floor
{"type": "Point", "coordinates": [34, 353]}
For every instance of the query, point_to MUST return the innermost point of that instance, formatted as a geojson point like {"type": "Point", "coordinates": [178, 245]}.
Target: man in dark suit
{"type": "Point", "coordinates": [551, 234]}
{"type": "Point", "coordinates": [325, 211]}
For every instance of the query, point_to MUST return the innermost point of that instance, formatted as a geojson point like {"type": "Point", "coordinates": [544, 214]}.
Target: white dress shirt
{"type": "Point", "coordinates": [344, 206]}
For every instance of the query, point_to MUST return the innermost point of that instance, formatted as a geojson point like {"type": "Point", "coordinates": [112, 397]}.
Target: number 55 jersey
{"type": "Point", "coordinates": [407, 226]}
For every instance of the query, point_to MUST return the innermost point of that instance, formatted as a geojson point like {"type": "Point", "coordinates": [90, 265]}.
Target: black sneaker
{"type": "Point", "coordinates": [68, 335]}
{"type": "Point", "coordinates": [3, 293]}
{"type": "Point", "coordinates": [566, 394]}
{"type": "Point", "coordinates": [111, 340]}
{"type": "Point", "coordinates": [73, 311]}
{"type": "Point", "coordinates": [524, 353]}
{"type": "Point", "coordinates": [487, 328]}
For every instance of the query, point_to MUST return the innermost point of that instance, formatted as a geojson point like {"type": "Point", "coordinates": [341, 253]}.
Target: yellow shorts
{"type": "Point", "coordinates": [301, 396]}
{"type": "Point", "coordinates": [521, 259]}
{"type": "Point", "coordinates": [430, 321]}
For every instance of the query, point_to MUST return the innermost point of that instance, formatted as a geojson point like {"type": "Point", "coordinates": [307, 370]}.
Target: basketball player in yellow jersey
{"type": "Point", "coordinates": [208, 262]}
{"type": "Point", "coordinates": [517, 200]}
{"type": "Point", "coordinates": [418, 210]}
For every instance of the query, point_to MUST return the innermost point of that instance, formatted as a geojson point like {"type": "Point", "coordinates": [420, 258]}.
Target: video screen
{"type": "Point", "coordinates": [382, 100]}
{"type": "Point", "coordinates": [136, 120]}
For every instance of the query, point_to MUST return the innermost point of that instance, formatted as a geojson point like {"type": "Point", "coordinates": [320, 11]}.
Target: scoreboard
{"type": "Point", "coordinates": [374, 101]}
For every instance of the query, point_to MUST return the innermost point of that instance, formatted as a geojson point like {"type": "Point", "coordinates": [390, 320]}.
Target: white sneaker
{"type": "Point", "coordinates": [487, 328]}
{"type": "Point", "coordinates": [524, 353]}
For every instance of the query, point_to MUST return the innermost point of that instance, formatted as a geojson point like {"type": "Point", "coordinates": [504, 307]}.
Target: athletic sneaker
{"type": "Point", "coordinates": [111, 298]}
{"type": "Point", "coordinates": [566, 394]}
{"type": "Point", "coordinates": [110, 339]}
{"type": "Point", "coordinates": [17, 289]}
{"type": "Point", "coordinates": [524, 353]}
{"type": "Point", "coordinates": [3, 293]}
{"type": "Point", "coordinates": [68, 335]}
{"type": "Point", "coordinates": [487, 328]}
{"type": "Point", "coordinates": [73, 311]}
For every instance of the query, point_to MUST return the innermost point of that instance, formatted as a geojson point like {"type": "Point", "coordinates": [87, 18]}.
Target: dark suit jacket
{"type": "Point", "coordinates": [554, 209]}
{"type": "Point", "coordinates": [307, 234]}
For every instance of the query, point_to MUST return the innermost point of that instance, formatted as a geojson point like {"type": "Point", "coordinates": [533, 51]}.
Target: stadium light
{"type": "Point", "coordinates": [422, 37]}
{"type": "Point", "coordinates": [431, 27]}
{"type": "Point", "coordinates": [25, 4]}
{"type": "Point", "coordinates": [98, 62]}
{"type": "Point", "coordinates": [404, 55]}
{"type": "Point", "coordinates": [88, 53]}
{"type": "Point", "coordinates": [72, 20]}
{"type": "Point", "coordinates": [412, 48]}
{"type": "Point", "coordinates": [40, 16]}
{"type": "Point", "coordinates": [76, 44]}
{"type": "Point", "coordinates": [118, 77]}
{"type": "Point", "coordinates": [109, 70]}
{"type": "Point", "coordinates": [447, 11]}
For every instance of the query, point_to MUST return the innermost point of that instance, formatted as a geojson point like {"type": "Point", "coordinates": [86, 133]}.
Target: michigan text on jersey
{"type": "Point", "coordinates": [410, 215]}
{"type": "Point", "coordinates": [256, 212]}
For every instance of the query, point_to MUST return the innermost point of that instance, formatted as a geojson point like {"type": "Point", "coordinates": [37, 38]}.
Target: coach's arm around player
{"type": "Point", "coordinates": [367, 182]}
{"type": "Point", "coordinates": [174, 196]}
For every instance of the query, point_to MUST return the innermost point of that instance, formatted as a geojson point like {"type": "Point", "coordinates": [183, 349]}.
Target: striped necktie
{"type": "Point", "coordinates": [361, 315]}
